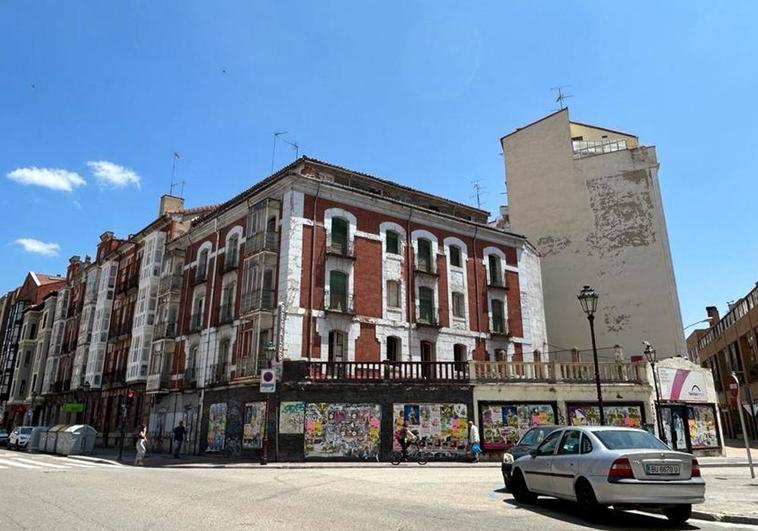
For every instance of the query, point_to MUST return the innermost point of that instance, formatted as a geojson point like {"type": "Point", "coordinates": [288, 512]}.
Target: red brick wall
{"type": "Point", "coordinates": [367, 280]}
{"type": "Point", "coordinates": [367, 346]}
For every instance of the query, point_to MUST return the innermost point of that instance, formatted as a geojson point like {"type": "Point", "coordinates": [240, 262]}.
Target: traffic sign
{"type": "Point", "coordinates": [73, 407]}
{"type": "Point", "coordinates": [268, 381]}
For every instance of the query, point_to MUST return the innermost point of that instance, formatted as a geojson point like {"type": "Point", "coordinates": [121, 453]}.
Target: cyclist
{"type": "Point", "coordinates": [405, 437]}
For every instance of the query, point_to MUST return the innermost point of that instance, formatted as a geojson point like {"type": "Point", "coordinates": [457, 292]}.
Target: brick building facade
{"type": "Point", "coordinates": [729, 345]}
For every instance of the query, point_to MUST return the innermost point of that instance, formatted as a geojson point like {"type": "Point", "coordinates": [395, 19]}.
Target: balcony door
{"type": "Point", "coordinates": [338, 291]}
{"type": "Point", "coordinates": [337, 344]}
{"type": "Point", "coordinates": [427, 357]}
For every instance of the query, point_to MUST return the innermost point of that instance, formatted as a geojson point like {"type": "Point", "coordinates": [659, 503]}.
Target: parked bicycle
{"type": "Point", "coordinates": [416, 451]}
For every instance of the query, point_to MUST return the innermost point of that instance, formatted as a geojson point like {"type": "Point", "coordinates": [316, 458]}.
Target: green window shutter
{"type": "Point", "coordinates": [338, 290]}
{"type": "Point", "coordinates": [426, 305]}
{"type": "Point", "coordinates": [424, 254]}
{"type": "Point", "coordinates": [498, 317]}
{"type": "Point", "coordinates": [339, 234]}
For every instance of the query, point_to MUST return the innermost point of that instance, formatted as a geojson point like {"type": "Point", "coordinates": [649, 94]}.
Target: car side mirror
{"type": "Point", "coordinates": [534, 453]}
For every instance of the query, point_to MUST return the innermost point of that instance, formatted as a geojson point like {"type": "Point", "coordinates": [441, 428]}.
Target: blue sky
{"type": "Point", "coordinates": [102, 93]}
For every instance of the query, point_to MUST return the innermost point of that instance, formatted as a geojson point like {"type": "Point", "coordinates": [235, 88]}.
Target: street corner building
{"type": "Point", "coordinates": [374, 304]}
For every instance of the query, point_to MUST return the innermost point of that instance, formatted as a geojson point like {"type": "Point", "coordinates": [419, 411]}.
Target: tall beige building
{"type": "Point", "coordinates": [589, 199]}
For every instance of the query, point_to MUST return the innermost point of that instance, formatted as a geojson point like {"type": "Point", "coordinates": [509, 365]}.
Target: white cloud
{"type": "Point", "coordinates": [31, 245]}
{"type": "Point", "coordinates": [110, 175]}
{"type": "Point", "coordinates": [53, 178]}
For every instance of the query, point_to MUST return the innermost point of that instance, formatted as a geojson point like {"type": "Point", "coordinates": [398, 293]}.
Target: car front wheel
{"type": "Point", "coordinates": [520, 491]}
{"type": "Point", "coordinates": [678, 514]}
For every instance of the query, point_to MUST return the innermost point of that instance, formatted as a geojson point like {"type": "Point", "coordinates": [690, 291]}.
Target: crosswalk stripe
{"type": "Point", "coordinates": [39, 463]}
{"type": "Point", "coordinates": [15, 463]}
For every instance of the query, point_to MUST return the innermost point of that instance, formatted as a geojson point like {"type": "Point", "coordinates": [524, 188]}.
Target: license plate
{"type": "Point", "coordinates": [662, 470]}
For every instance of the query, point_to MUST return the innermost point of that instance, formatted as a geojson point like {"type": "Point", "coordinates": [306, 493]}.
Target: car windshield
{"type": "Point", "coordinates": [25, 431]}
{"type": "Point", "coordinates": [628, 440]}
{"type": "Point", "coordinates": [534, 436]}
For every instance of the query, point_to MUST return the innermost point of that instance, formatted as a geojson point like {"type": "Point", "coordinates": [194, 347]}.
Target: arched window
{"type": "Point", "coordinates": [202, 266]}
{"type": "Point", "coordinates": [424, 259]}
{"type": "Point", "coordinates": [496, 271]}
{"type": "Point", "coordinates": [339, 232]}
{"type": "Point", "coordinates": [393, 349]}
{"type": "Point", "coordinates": [455, 256]}
{"type": "Point", "coordinates": [337, 346]}
{"type": "Point", "coordinates": [392, 244]}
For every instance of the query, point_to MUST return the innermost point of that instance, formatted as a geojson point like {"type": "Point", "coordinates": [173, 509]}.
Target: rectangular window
{"type": "Point", "coordinates": [338, 291]}
{"type": "Point", "coordinates": [458, 305]}
{"type": "Point", "coordinates": [498, 317]}
{"type": "Point", "coordinates": [735, 360]}
{"type": "Point", "coordinates": [393, 294]}
{"type": "Point", "coordinates": [496, 274]}
{"type": "Point", "coordinates": [426, 305]}
{"type": "Point", "coordinates": [455, 256]}
{"type": "Point", "coordinates": [424, 255]}
{"type": "Point", "coordinates": [392, 242]}
{"type": "Point", "coordinates": [339, 235]}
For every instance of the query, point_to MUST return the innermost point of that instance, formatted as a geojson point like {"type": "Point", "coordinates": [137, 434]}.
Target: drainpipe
{"type": "Point", "coordinates": [201, 403]}
{"type": "Point", "coordinates": [410, 291]}
{"type": "Point", "coordinates": [309, 337]}
{"type": "Point", "coordinates": [476, 284]}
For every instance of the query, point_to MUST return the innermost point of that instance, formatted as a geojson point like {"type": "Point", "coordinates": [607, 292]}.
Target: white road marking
{"type": "Point", "coordinates": [38, 462]}
{"type": "Point", "coordinates": [15, 463]}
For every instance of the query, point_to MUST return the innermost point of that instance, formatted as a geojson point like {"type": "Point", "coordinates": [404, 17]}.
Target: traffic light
{"type": "Point", "coordinates": [129, 398]}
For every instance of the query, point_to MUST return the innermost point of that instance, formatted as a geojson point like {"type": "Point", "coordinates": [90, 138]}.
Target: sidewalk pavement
{"type": "Point", "coordinates": [730, 496]}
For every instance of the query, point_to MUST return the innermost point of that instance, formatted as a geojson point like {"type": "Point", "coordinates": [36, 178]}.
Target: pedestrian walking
{"type": "Point", "coordinates": [141, 445]}
{"type": "Point", "coordinates": [179, 433]}
{"type": "Point", "coordinates": [473, 439]}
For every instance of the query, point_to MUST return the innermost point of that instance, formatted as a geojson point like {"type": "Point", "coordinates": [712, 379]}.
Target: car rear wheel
{"type": "Point", "coordinates": [678, 514]}
{"type": "Point", "coordinates": [589, 507]}
{"type": "Point", "coordinates": [520, 491]}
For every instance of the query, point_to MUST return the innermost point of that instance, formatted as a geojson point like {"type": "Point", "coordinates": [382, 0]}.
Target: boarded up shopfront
{"type": "Point", "coordinates": [627, 415]}
{"type": "Point", "coordinates": [442, 427]}
{"type": "Point", "coordinates": [342, 430]}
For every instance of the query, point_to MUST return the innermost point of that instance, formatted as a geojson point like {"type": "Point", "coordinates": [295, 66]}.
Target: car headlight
{"type": "Point", "coordinates": [507, 458]}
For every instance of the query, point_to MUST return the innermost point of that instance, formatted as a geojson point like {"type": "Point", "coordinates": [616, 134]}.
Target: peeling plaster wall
{"type": "Point", "coordinates": [596, 220]}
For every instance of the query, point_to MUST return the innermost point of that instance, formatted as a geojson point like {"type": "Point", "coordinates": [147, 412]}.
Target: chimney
{"type": "Point", "coordinates": [107, 235]}
{"type": "Point", "coordinates": [713, 313]}
{"type": "Point", "coordinates": [170, 203]}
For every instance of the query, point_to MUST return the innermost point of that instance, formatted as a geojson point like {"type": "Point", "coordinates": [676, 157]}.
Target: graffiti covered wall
{"type": "Point", "coordinates": [504, 424]}
{"type": "Point", "coordinates": [342, 430]}
{"type": "Point", "coordinates": [216, 427]}
{"type": "Point", "coordinates": [292, 418]}
{"type": "Point", "coordinates": [445, 426]}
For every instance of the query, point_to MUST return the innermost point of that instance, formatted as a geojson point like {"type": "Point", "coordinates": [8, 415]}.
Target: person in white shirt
{"type": "Point", "coordinates": [473, 439]}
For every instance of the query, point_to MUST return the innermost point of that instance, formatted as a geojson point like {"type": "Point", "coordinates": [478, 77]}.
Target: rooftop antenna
{"type": "Point", "coordinates": [478, 189]}
{"type": "Point", "coordinates": [173, 172]}
{"type": "Point", "coordinates": [181, 194]}
{"type": "Point", "coordinates": [277, 134]}
{"type": "Point", "coordinates": [561, 97]}
{"type": "Point", "coordinates": [295, 147]}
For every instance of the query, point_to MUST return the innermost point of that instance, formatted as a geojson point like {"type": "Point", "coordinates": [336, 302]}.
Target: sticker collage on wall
{"type": "Point", "coordinates": [629, 416]}
{"type": "Point", "coordinates": [291, 418]}
{"type": "Point", "coordinates": [444, 427]}
{"type": "Point", "coordinates": [504, 424]}
{"type": "Point", "coordinates": [254, 425]}
{"type": "Point", "coordinates": [342, 430]}
{"type": "Point", "coordinates": [216, 427]}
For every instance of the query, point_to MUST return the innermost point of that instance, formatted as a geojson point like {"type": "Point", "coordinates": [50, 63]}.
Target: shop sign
{"type": "Point", "coordinates": [682, 385]}
{"type": "Point", "coordinates": [73, 407]}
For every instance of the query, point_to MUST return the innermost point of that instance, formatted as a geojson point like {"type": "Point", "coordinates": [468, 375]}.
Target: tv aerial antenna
{"type": "Point", "coordinates": [295, 147]}
{"type": "Point", "coordinates": [561, 97]}
{"type": "Point", "coordinates": [478, 189]}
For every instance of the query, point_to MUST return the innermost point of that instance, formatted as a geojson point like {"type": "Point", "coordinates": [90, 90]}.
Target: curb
{"type": "Point", "coordinates": [87, 459]}
{"type": "Point", "coordinates": [725, 518]}
{"type": "Point", "coordinates": [724, 465]}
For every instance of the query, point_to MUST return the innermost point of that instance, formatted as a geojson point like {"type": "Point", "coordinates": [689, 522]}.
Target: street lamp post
{"type": "Point", "coordinates": [651, 356]}
{"type": "Point", "coordinates": [588, 299]}
{"type": "Point", "coordinates": [742, 423]}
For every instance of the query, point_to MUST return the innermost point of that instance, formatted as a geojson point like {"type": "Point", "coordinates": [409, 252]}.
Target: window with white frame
{"type": "Point", "coordinates": [459, 304]}
{"type": "Point", "coordinates": [231, 253]}
{"type": "Point", "coordinates": [455, 256]}
{"type": "Point", "coordinates": [393, 294]}
{"type": "Point", "coordinates": [202, 265]}
{"type": "Point", "coordinates": [424, 260]}
{"type": "Point", "coordinates": [495, 270]}
{"type": "Point", "coordinates": [392, 242]}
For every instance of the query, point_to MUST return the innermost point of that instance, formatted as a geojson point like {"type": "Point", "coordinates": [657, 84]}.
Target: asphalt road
{"type": "Point", "coordinates": [46, 492]}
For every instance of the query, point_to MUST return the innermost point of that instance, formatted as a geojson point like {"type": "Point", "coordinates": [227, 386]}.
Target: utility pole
{"type": "Point", "coordinates": [742, 423]}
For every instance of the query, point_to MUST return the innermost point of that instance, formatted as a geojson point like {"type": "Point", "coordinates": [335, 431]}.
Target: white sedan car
{"type": "Point", "coordinates": [602, 466]}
